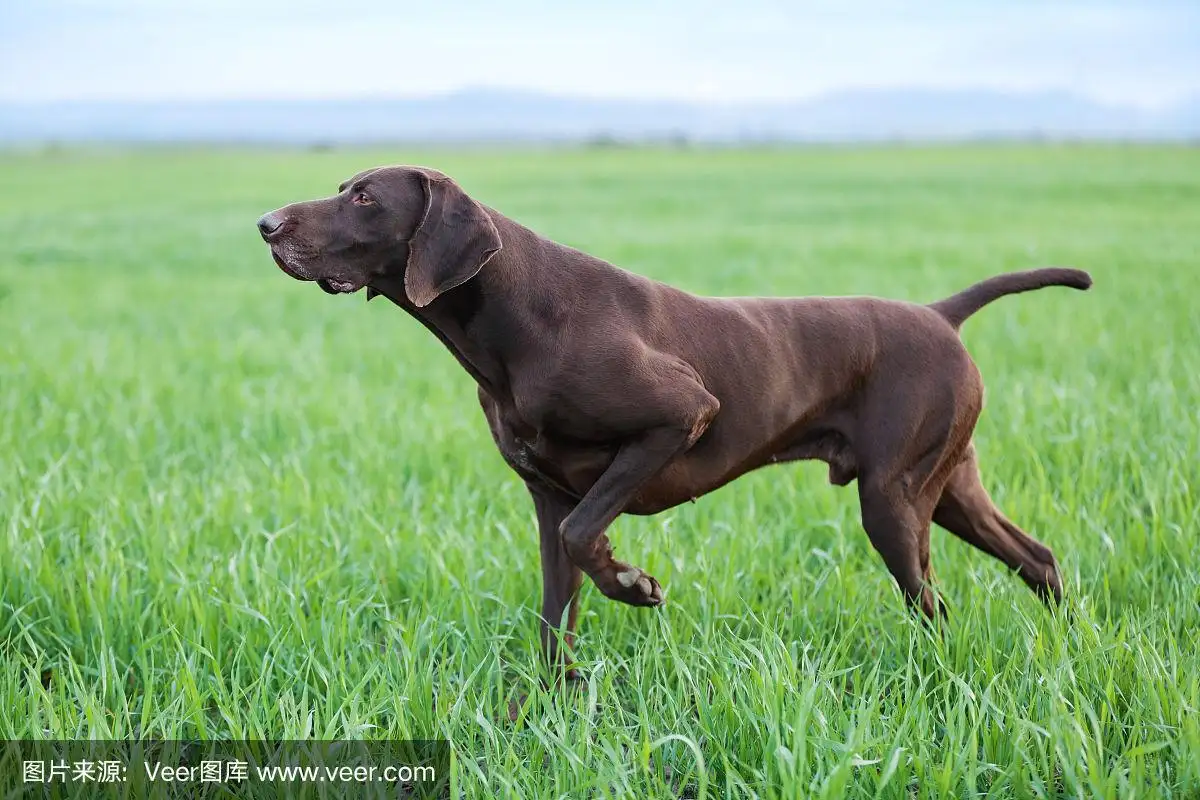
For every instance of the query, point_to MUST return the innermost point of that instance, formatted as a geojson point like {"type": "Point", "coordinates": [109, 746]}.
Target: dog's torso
{"type": "Point", "coordinates": [789, 374]}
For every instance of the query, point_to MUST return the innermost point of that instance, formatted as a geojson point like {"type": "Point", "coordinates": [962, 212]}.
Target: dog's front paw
{"type": "Point", "coordinates": [631, 585]}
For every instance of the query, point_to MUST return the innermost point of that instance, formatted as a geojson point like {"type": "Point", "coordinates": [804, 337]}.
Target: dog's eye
{"type": "Point", "coordinates": [361, 199]}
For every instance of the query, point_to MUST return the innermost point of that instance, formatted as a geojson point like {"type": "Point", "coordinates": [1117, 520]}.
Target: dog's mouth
{"type": "Point", "coordinates": [283, 265]}
{"type": "Point", "coordinates": [328, 285]}
{"type": "Point", "coordinates": [334, 286]}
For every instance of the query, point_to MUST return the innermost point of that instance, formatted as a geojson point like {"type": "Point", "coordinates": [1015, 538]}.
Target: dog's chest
{"type": "Point", "coordinates": [544, 459]}
{"type": "Point", "coordinates": [521, 455]}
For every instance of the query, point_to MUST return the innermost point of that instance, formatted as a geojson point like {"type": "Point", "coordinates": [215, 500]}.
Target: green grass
{"type": "Point", "coordinates": [236, 507]}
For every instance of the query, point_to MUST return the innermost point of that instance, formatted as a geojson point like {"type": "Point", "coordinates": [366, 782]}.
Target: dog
{"type": "Point", "coordinates": [611, 393]}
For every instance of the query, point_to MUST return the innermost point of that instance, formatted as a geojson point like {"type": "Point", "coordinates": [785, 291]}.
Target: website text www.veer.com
{"type": "Point", "coordinates": [289, 773]}
{"type": "Point", "coordinates": [178, 768]}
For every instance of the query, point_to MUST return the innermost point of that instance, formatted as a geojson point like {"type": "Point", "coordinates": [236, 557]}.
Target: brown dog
{"type": "Point", "coordinates": [610, 393]}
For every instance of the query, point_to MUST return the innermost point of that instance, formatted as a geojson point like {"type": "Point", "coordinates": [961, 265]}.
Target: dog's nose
{"type": "Point", "coordinates": [269, 223]}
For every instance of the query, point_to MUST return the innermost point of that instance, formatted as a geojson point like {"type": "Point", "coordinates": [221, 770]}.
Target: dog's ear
{"type": "Point", "coordinates": [452, 242]}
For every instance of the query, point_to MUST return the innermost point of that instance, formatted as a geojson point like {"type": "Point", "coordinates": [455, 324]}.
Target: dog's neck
{"type": "Point", "coordinates": [462, 317]}
{"type": "Point", "coordinates": [448, 318]}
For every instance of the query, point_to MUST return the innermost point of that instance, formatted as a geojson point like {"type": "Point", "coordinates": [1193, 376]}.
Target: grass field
{"type": "Point", "coordinates": [236, 507]}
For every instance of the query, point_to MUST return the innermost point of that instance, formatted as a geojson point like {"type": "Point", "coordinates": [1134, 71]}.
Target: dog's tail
{"type": "Point", "coordinates": [957, 308]}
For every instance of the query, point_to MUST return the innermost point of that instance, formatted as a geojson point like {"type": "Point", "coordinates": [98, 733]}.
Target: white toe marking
{"type": "Point", "coordinates": [628, 578]}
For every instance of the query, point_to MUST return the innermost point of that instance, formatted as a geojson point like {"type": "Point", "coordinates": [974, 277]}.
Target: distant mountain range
{"type": "Point", "coordinates": [483, 115]}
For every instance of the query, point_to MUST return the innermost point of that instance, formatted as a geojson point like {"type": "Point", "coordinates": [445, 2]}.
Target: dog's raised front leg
{"type": "Point", "coordinates": [684, 410]}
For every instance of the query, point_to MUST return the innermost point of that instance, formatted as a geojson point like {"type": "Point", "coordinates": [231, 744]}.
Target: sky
{"type": "Point", "coordinates": [1129, 52]}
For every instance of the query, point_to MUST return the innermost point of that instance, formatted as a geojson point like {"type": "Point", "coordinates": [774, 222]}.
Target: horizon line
{"type": "Point", "coordinates": [731, 102]}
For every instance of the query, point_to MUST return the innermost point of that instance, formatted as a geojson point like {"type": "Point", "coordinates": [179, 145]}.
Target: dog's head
{"type": "Point", "coordinates": [388, 222]}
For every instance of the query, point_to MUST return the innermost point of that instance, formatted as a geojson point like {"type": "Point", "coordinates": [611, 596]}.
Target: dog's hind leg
{"type": "Point", "coordinates": [905, 453]}
{"type": "Point", "coordinates": [899, 532]}
{"type": "Point", "coordinates": [966, 510]}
